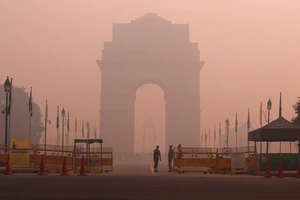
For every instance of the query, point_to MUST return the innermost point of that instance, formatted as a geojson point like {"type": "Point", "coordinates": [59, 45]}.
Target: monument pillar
{"type": "Point", "coordinates": [117, 121]}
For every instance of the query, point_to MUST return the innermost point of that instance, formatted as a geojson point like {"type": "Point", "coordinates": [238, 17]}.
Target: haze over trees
{"type": "Point", "coordinates": [19, 125]}
{"type": "Point", "coordinates": [296, 108]}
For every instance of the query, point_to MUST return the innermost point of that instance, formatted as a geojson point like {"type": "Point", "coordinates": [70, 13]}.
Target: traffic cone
{"type": "Point", "coordinates": [42, 167]}
{"type": "Point", "coordinates": [298, 174]}
{"type": "Point", "coordinates": [8, 168]}
{"type": "Point", "coordinates": [82, 168]}
{"type": "Point", "coordinates": [64, 168]}
{"type": "Point", "coordinates": [280, 171]}
{"type": "Point", "coordinates": [268, 168]}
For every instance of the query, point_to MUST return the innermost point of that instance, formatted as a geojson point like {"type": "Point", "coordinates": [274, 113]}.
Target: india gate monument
{"type": "Point", "coordinates": [151, 50]}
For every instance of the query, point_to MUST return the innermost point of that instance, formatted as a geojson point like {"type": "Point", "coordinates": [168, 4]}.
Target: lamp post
{"type": "Point", "coordinates": [63, 114]}
{"type": "Point", "coordinates": [269, 107]}
{"type": "Point", "coordinates": [7, 89]}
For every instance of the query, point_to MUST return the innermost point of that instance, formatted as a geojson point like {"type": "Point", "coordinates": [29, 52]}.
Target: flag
{"type": "Point", "coordinates": [82, 129]}
{"type": "Point", "coordinates": [95, 132]}
{"type": "Point", "coordinates": [88, 130]}
{"type": "Point", "coordinates": [75, 124]}
{"type": "Point", "coordinates": [202, 137]}
{"type": "Point", "coordinates": [10, 98]}
{"type": "Point", "coordinates": [236, 123]}
{"type": "Point", "coordinates": [205, 136]}
{"type": "Point", "coordinates": [227, 129]}
{"type": "Point", "coordinates": [30, 102]}
{"type": "Point", "coordinates": [260, 114]}
{"type": "Point", "coordinates": [248, 120]}
{"type": "Point", "coordinates": [214, 133]}
{"type": "Point", "coordinates": [227, 125]}
{"type": "Point", "coordinates": [57, 118]}
{"type": "Point", "coordinates": [220, 131]}
{"type": "Point", "coordinates": [46, 112]}
{"type": "Point", "coordinates": [68, 122]}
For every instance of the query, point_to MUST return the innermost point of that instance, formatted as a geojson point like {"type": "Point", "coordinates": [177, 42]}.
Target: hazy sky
{"type": "Point", "coordinates": [251, 50]}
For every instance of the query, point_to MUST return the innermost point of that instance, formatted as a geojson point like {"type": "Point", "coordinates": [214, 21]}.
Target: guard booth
{"type": "Point", "coordinates": [97, 158]}
{"type": "Point", "coordinates": [279, 130]}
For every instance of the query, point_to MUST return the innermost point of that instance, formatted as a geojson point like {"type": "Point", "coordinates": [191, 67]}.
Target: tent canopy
{"type": "Point", "coordinates": [276, 131]}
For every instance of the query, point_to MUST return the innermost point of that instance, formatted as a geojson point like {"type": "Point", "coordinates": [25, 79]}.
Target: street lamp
{"type": "Point", "coordinates": [63, 114]}
{"type": "Point", "coordinates": [7, 88]}
{"type": "Point", "coordinates": [269, 107]}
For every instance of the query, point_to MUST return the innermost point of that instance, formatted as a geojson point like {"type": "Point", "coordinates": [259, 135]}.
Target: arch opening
{"type": "Point", "coordinates": [149, 118]}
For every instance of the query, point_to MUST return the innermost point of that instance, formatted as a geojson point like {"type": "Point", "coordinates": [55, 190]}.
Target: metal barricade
{"type": "Point", "coordinates": [211, 160]}
{"type": "Point", "coordinates": [97, 161]}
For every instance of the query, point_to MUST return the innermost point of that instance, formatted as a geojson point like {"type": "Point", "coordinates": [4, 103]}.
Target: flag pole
{"type": "Point", "coordinates": [75, 127]}
{"type": "Point", "coordinates": [214, 136]}
{"type": "Point", "coordinates": [68, 129]}
{"type": "Point", "coordinates": [57, 138]}
{"type": "Point", "coordinates": [248, 126]}
{"type": "Point", "coordinates": [260, 151]}
{"type": "Point", "coordinates": [29, 127]}
{"type": "Point", "coordinates": [236, 141]}
{"type": "Point", "coordinates": [205, 140]}
{"type": "Point", "coordinates": [280, 115]}
{"type": "Point", "coordinates": [10, 103]}
{"type": "Point", "coordinates": [236, 135]}
{"type": "Point", "coordinates": [227, 132]}
{"type": "Point", "coordinates": [46, 122]}
{"type": "Point", "coordinates": [248, 143]}
{"type": "Point", "coordinates": [220, 136]}
{"type": "Point", "coordinates": [30, 114]}
{"type": "Point", "coordinates": [57, 128]}
{"type": "Point", "coordinates": [209, 137]}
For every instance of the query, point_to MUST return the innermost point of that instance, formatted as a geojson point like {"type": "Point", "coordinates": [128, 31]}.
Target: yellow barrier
{"type": "Point", "coordinates": [200, 160]}
{"type": "Point", "coordinates": [54, 159]}
{"type": "Point", "coordinates": [194, 162]}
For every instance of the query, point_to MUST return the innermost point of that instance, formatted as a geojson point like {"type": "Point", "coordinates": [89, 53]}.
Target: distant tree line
{"type": "Point", "coordinates": [19, 116]}
{"type": "Point", "coordinates": [296, 107]}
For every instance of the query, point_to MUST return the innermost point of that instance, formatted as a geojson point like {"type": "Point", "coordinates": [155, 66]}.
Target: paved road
{"type": "Point", "coordinates": [136, 182]}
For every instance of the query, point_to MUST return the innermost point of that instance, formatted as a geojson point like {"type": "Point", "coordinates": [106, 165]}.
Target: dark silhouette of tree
{"type": "Point", "coordinates": [296, 106]}
{"type": "Point", "coordinates": [19, 124]}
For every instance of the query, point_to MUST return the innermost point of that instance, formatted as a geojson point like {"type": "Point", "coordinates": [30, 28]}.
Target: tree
{"type": "Point", "coordinates": [19, 124]}
{"type": "Point", "coordinates": [296, 106]}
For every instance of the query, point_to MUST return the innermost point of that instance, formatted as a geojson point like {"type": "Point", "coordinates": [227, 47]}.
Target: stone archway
{"type": "Point", "coordinates": [150, 50]}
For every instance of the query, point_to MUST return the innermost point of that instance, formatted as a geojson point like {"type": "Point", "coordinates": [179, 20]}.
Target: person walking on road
{"type": "Point", "coordinates": [170, 157]}
{"type": "Point", "coordinates": [156, 157]}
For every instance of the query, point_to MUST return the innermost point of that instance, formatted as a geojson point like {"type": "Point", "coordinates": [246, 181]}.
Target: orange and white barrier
{"type": "Point", "coordinates": [53, 158]}
{"type": "Point", "coordinates": [210, 160]}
